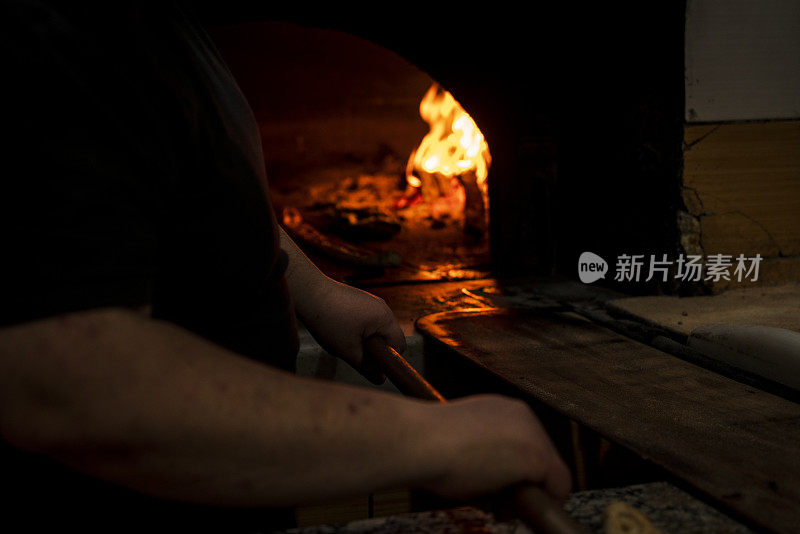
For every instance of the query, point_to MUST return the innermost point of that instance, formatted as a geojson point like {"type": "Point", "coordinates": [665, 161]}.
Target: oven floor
{"type": "Point", "coordinates": [430, 250]}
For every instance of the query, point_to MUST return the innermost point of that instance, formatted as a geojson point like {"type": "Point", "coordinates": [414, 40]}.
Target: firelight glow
{"type": "Point", "coordinates": [454, 145]}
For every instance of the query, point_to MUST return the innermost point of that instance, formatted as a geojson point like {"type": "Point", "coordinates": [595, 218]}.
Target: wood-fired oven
{"type": "Point", "coordinates": [603, 139]}
{"type": "Point", "coordinates": [581, 108]}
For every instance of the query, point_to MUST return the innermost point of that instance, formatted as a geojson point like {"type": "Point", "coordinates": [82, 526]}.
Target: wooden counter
{"type": "Point", "coordinates": [737, 445]}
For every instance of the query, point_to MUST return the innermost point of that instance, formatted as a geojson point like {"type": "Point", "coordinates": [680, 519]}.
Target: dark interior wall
{"type": "Point", "coordinates": [620, 147]}
{"type": "Point", "coordinates": [324, 97]}
{"type": "Point", "coordinates": [581, 103]}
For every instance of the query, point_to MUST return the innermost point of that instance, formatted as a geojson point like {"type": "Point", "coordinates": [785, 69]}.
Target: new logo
{"type": "Point", "coordinates": [591, 267]}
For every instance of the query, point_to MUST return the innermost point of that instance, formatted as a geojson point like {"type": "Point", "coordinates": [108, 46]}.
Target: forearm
{"type": "Point", "coordinates": [340, 317]}
{"type": "Point", "coordinates": [150, 406]}
{"type": "Point", "coordinates": [306, 282]}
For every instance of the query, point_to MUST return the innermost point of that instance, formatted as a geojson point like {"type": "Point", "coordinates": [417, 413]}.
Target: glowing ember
{"type": "Point", "coordinates": [451, 158]}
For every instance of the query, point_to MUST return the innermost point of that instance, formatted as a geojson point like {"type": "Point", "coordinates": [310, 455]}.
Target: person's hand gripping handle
{"type": "Point", "coordinates": [532, 503]}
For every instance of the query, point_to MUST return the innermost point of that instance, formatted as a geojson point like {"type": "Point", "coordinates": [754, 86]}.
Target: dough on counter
{"type": "Point", "coordinates": [622, 518]}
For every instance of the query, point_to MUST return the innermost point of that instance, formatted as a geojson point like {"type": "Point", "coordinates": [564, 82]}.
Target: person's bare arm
{"type": "Point", "coordinates": [340, 317]}
{"type": "Point", "coordinates": [150, 406]}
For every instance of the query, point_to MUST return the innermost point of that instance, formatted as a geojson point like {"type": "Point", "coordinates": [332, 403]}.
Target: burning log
{"type": "Point", "coordinates": [475, 220]}
{"type": "Point", "coordinates": [433, 186]}
{"type": "Point", "coordinates": [451, 163]}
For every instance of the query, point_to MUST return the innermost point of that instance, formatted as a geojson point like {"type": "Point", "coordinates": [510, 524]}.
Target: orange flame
{"type": "Point", "coordinates": [454, 145]}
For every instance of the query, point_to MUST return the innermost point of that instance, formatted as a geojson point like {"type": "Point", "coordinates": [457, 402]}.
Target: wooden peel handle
{"type": "Point", "coordinates": [399, 371]}
{"type": "Point", "coordinates": [542, 513]}
{"type": "Point", "coordinates": [533, 505]}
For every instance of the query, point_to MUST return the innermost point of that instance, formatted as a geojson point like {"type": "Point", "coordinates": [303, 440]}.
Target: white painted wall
{"type": "Point", "coordinates": [742, 60]}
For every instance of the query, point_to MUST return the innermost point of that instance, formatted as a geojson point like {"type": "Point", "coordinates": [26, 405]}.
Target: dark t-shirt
{"type": "Point", "coordinates": [132, 175]}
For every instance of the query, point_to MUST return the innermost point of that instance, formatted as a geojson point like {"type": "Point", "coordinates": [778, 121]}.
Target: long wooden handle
{"type": "Point", "coordinates": [533, 505]}
{"type": "Point", "coordinates": [399, 371]}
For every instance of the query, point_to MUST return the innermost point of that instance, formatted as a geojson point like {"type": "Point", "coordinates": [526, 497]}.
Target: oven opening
{"type": "Point", "coordinates": [375, 169]}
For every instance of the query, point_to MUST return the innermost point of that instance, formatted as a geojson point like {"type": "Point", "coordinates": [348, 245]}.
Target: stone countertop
{"type": "Point", "coordinates": [667, 507]}
{"type": "Point", "coordinates": [776, 306]}
{"type": "Point", "coordinates": [670, 509]}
